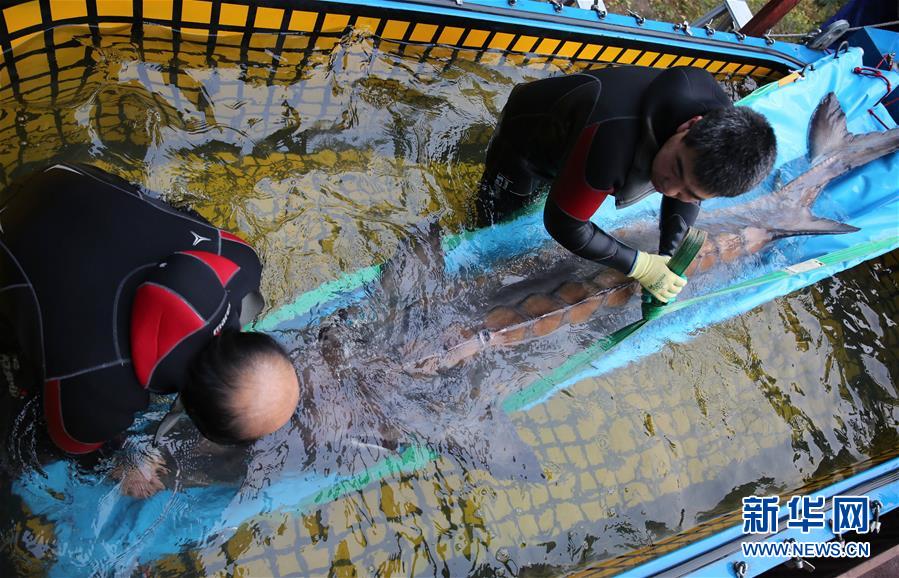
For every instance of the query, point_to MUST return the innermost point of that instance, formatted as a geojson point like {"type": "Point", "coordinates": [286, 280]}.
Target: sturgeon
{"type": "Point", "coordinates": [734, 233]}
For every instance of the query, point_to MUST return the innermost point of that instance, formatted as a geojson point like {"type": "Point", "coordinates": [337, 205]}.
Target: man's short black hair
{"type": "Point", "coordinates": [735, 149]}
{"type": "Point", "coordinates": [215, 376]}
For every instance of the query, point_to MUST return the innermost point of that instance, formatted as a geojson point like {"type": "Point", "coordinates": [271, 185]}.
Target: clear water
{"type": "Point", "coordinates": [357, 154]}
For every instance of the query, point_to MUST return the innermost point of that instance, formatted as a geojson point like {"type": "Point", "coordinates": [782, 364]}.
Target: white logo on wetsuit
{"type": "Point", "coordinates": [502, 182]}
{"type": "Point", "coordinates": [199, 239]}
{"type": "Point", "coordinates": [9, 365]}
{"type": "Point", "coordinates": [221, 325]}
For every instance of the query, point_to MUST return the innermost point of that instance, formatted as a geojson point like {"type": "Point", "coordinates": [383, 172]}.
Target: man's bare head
{"type": "Point", "coordinates": [241, 387]}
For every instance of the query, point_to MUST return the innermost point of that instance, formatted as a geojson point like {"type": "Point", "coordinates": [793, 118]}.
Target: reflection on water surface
{"type": "Point", "coordinates": [354, 156]}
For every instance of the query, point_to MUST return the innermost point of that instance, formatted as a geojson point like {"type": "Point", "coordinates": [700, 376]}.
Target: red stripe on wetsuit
{"type": "Point", "coordinates": [55, 424]}
{"type": "Point", "coordinates": [571, 191]}
{"type": "Point", "coordinates": [162, 318]}
{"type": "Point", "coordinates": [224, 268]}
{"type": "Point", "coordinates": [232, 237]}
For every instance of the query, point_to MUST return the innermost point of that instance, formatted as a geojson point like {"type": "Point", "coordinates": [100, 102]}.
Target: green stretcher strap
{"type": "Point", "coordinates": [652, 307]}
{"type": "Point", "coordinates": [411, 459]}
{"type": "Point", "coordinates": [847, 254]}
{"type": "Point", "coordinates": [679, 263]}
{"type": "Point", "coordinates": [305, 302]}
{"type": "Point", "coordinates": [545, 384]}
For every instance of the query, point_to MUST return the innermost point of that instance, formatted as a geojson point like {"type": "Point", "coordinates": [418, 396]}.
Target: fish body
{"type": "Point", "coordinates": [539, 308]}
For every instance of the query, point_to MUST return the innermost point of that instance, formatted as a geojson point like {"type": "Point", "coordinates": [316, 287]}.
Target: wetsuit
{"type": "Point", "coordinates": [108, 295]}
{"type": "Point", "coordinates": [591, 135]}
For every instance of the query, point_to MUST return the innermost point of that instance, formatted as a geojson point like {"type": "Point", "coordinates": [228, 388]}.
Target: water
{"type": "Point", "coordinates": [339, 157]}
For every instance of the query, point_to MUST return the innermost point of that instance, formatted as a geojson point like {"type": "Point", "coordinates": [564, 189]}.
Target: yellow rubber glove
{"type": "Point", "coordinates": [653, 273]}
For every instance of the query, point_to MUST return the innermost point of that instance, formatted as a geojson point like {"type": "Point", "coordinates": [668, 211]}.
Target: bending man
{"type": "Point", "coordinates": [624, 132]}
{"type": "Point", "coordinates": [107, 295]}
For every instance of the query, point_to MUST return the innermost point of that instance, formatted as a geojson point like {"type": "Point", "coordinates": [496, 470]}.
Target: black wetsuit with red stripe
{"type": "Point", "coordinates": [583, 134]}
{"type": "Point", "coordinates": [106, 294]}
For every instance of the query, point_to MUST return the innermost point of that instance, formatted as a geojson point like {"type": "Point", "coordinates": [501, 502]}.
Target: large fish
{"type": "Point", "coordinates": [540, 305]}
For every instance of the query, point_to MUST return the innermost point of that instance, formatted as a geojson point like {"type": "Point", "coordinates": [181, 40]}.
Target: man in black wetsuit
{"type": "Point", "coordinates": [624, 132]}
{"type": "Point", "coordinates": [107, 295]}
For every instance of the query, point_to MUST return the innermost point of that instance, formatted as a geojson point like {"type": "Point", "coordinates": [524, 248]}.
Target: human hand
{"type": "Point", "coordinates": [654, 275]}
{"type": "Point", "coordinates": [139, 476]}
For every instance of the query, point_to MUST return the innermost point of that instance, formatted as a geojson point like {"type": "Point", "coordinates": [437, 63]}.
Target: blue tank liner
{"type": "Point", "coordinates": [95, 525]}
{"type": "Point", "coordinates": [98, 528]}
